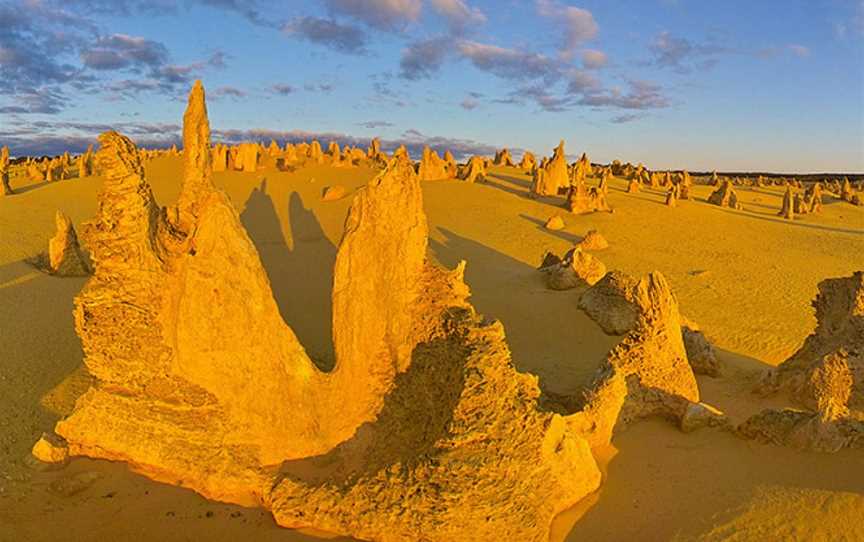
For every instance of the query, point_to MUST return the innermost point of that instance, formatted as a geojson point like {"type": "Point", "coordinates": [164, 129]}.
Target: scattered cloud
{"type": "Point", "coordinates": [324, 88]}
{"type": "Point", "coordinates": [470, 103]}
{"type": "Point", "coordinates": [629, 117]}
{"type": "Point", "coordinates": [579, 24]}
{"type": "Point", "coordinates": [593, 59]}
{"type": "Point", "coordinates": [683, 56]}
{"type": "Point", "coordinates": [388, 15]}
{"type": "Point", "coordinates": [119, 51]}
{"type": "Point", "coordinates": [506, 63]}
{"type": "Point", "coordinates": [283, 89]}
{"type": "Point", "coordinates": [375, 124]}
{"type": "Point", "coordinates": [227, 92]}
{"type": "Point", "coordinates": [459, 15]}
{"type": "Point", "coordinates": [422, 59]}
{"type": "Point", "coordinates": [328, 33]}
{"type": "Point", "coordinates": [639, 95]}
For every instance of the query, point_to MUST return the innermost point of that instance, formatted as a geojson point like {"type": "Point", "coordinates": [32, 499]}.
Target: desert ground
{"type": "Point", "coordinates": [745, 276]}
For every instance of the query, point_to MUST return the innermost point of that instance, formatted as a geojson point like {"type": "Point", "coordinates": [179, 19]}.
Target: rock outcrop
{"type": "Point", "coordinates": [5, 187]}
{"type": "Point", "coordinates": [646, 374]}
{"type": "Point", "coordinates": [581, 199]}
{"type": "Point", "coordinates": [825, 376]}
{"type": "Point", "coordinates": [787, 211]}
{"type": "Point", "coordinates": [593, 240]}
{"type": "Point", "coordinates": [528, 163]}
{"type": "Point", "coordinates": [432, 167]}
{"type": "Point", "coordinates": [725, 196]}
{"type": "Point", "coordinates": [610, 303]}
{"type": "Point", "coordinates": [578, 269]}
{"type": "Point", "coordinates": [423, 430]}
{"type": "Point", "coordinates": [474, 171]}
{"type": "Point", "coordinates": [65, 258]}
{"type": "Point", "coordinates": [503, 158]}
{"type": "Point", "coordinates": [554, 176]}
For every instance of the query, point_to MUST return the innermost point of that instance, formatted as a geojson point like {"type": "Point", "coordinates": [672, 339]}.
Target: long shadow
{"type": "Point", "coordinates": [784, 221]}
{"type": "Point", "coordinates": [29, 187]}
{"type": "Point", "coordinates": [524, 183]}
{"type": "Point", "coordinates": [547, 333]}
{"type": "Point", "coordinates": [39, 351]}
{"type": "Point", "coordinates": [541, 225]}
{"type": "Point", "coordinates": [416, 413]}
{"type": "Point", "coordinates": [492, 181]}
{"type": "Point", "coordinates": [301, 275]}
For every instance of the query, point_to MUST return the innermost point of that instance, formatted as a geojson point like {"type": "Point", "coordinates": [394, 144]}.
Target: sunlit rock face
{"type": "Point", "coordinates": [422, 430]}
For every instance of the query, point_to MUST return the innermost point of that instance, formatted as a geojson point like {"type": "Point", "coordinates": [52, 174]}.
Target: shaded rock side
{"type": "Point", "coordinates": [460, 451]}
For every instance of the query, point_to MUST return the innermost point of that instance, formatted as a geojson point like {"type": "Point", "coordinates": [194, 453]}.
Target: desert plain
{"type": "Point", "coordinates": [744, 276]}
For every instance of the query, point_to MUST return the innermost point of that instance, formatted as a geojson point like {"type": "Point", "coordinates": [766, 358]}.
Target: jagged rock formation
{"type": "Point", "coordinates": [826, 376]}
{"type": "Point", "coordinates": [633, 186]}
{"type": "Point", "coordinates": [314, 153]}
{"type": "Point", "coordinates": [85, 163]}
{"type": "Point", "coordinates": [672, 196]}
{"type": "Point", "coordinates": [199, 382]}
{"type": "Point", "coordinates": [811, 202]}
{"type": "Point", "coordinates": [474, 171]}
{"type": "Point", "coordinates": [725, 196]}
{"type": "Point", "coordinates": [839, 331]}
{"type": "Point", "coordinates": [432, 167]}
{"type": "Point", "coordinates": [787, 211]}
{"type": "Point", "coordinates": [577, 269]}
{"type": "Point", "coordinates": [593, 240]}
{"type": "Point", "coordinates": [503, 158]}
{"type": "Point", "coordinates": [528, 163]}
{"type": "Point", "coordinates": [610, 303]}
{"type": "Point", "coordinates": [646, 374]}
{"type": "Point", "coordinates": [581, 170]}
{"type": "Point", "coordinates": [581, 199]}
{"type": "Point", "coordinates": [554, 174]}
{"type": "Point", "coordinates": [374, 152]}
{"type": "Point", "coordinates": [247, 158]}
{"type": "Point", "coordinates": [65, 258]}
{"type": "Point", "coordinates": [613, 305]}
{"type": "Point", "coordinates": [5, 187]}
{"type": "Point", "coordinates": [700, 352]}
{"type": "Point", "coordinates": [450, 165]}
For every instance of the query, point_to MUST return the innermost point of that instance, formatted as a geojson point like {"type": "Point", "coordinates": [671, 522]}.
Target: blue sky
{"type": "Point", "coordinates": [729, 85]}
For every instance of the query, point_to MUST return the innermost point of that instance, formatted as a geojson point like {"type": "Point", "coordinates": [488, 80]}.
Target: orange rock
{"type": "Point", "coordinates": [333, 193]}
{"type": "Point", "coordinates": [64, 254]}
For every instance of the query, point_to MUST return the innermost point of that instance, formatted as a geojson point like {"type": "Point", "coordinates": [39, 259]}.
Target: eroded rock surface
{"type": "Point", "coordinates": [423, 430]}
{"type": "Point", "coordinates": [646, 374]}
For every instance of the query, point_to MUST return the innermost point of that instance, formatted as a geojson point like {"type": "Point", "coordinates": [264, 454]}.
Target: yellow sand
{"type": "Point", "coordinates": [747, 277]}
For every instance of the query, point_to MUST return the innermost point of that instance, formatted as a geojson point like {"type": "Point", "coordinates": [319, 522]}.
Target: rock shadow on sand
{"type": "Point", "coordinates": [548, 334]}
{"type": "Point", "coordinates": [300, 268]}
